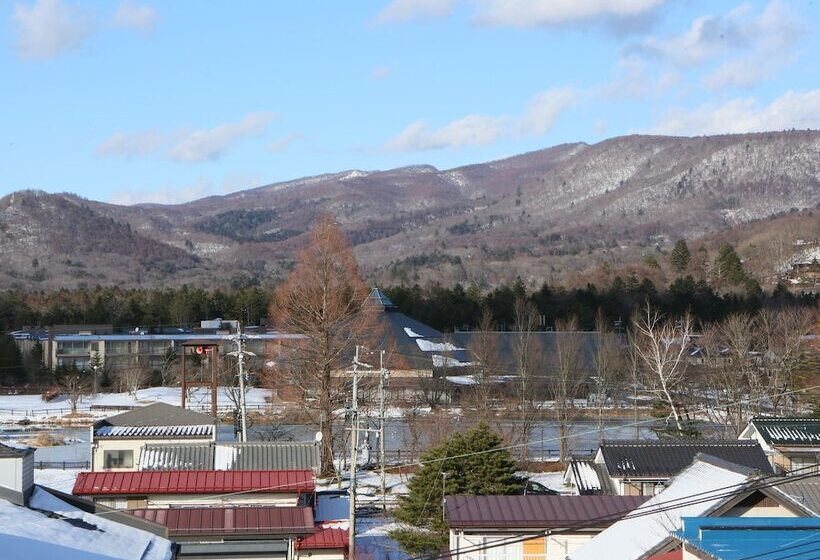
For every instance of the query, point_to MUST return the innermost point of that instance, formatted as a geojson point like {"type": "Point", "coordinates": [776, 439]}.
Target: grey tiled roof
{"type": "Point", "coordinates": [158, 414]}
{"type": "Point", "coordinates": [663, 459]}
{"type": "Point", "coordinates": [803, 492]}
{"type": "Point", "coordinates": [250, 456]}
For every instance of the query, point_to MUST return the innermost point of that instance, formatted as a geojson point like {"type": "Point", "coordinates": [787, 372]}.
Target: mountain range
{"type": "Point", "coordinates": [547, 214]}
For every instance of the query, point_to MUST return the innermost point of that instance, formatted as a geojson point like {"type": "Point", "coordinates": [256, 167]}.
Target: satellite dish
{"type": "Point", "coordinates": [318, 437]}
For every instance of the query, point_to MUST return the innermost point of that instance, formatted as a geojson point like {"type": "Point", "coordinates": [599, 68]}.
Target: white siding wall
{"type": "Point", "coordinates": [100, 446]}
{"type": "Point", "coordinates": [11, 473]}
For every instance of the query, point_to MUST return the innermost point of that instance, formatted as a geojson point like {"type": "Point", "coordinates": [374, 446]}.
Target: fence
{"type": "Point", "coordinates": [403, 456]}
{"type": "Point", "coordinates": [64, 465]}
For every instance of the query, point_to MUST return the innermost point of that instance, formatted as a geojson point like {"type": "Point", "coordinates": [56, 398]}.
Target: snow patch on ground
{"type": "Point", "coordinates": [32, 408]}
{"type": "Point", "coordinates": [59, 479]}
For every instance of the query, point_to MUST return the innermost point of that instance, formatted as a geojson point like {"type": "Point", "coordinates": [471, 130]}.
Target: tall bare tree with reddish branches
{"type": "Point", "coordinates": [324, 301]}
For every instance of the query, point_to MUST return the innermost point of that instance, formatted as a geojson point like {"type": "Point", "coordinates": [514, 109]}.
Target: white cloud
{"type": "Point", "coordinates": [399, 11]}
{"type": "Point", "coordinates": [791, 110]}
{"type": "Point", "coordinates": [740, 73]}
{"type": "Point", "coordinates": [632, 77]}
{"type": "Point", "coordinates": [49, 28]}
{"type": "Point", "coordinates": [480, 130]}
{"type": "Point", "coordinates": [545, 108]}
{"type": "Point", "coordinates": [211, 143]}
{"type": "Point", "coordinates": [177, 194]}
{"type": "Point", "coordinates": [131, 145]}
{"type": "Point", "coordinates": [187, 146]}
{"type": "Point", "coordinates": [472, 130]}
{"type": "Point", "coordinates": [532, 13]}
{"type": "Point", "coordinates": [771, 32]}
{"type": "Point", "coordinates": [135, 16]}
{"type": "Point", "coordinates": [283, 143]}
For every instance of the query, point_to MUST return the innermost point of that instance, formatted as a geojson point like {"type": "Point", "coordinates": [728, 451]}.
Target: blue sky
{"type": "Point", "coordinates": [148, 101]}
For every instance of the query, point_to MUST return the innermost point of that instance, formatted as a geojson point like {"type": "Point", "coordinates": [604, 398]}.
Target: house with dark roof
{"type": "Point", "coordinates": [414, 349]}
{"type": "Point", "coordinates": [641, 468]}
{"type": "Point", "coordinates": [117, 441]}
{"type": "Point", "coordinates": [231, 455]}
{"type": "Point", "coordinates": [791, 444]}
{"type": "Point", "coordinates": [480, 520]}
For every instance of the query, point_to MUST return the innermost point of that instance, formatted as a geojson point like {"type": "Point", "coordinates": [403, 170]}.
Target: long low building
{"type": "Point", "coordinates": [269, 532]}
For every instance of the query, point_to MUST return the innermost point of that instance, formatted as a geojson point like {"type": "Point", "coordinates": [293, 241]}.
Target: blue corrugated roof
{"type": "Point", "coordinates": [761, 538]}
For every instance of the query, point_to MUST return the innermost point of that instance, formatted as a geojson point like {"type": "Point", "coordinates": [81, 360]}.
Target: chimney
{"type": "Point", "coordinates": [16, 473]}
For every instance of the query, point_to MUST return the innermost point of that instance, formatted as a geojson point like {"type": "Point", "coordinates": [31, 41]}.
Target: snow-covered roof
{"type": "Point", "coordinates": [220, 456]}
{"type": "Point", "coordinates": [69, 533]}
{"type": "Point", "coordinates": [588, 477]}
{"type": "Point", "coordinates": [787, 431]}
{"type": "Point", "coordinates": [648, 529]}
{"type": "Point", "coordinates": [154, 431]}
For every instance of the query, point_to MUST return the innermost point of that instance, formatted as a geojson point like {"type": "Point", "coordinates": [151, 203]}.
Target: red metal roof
{"type": "Point", "coordinates": [324, 538]}
{"type": "Point", "coordinates": [255, 520]}
{"type": "Point", "coordinates": [672, 555]}
{"type": "Point", "coordinates": [192, 482]}
{"type": "Point", "coordinates": [537, 511]}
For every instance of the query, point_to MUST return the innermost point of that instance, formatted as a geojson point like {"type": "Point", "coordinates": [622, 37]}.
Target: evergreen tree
{"type": "Point", "coordinates": [455, 468]}
{"type": "Point", "coordinates": [729, 265]}
{"type": "Point", "coordinates": [680, 256]}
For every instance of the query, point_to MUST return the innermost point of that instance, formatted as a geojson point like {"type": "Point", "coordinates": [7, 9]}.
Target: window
{"type": "Point", "coordinates": [120, 459]}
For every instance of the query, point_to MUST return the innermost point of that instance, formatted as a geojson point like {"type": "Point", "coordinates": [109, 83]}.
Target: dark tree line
{"type": "Point", "coordinates": [450, 308]}
{"type": "Point", "coordinates": [443, 307]}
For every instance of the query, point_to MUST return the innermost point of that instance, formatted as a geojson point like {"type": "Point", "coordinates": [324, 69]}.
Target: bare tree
{"type": "Point", "coordinates": [565, 379]}
{"type": "Point", "coordinates": [324, 301]}
{"type": "Point", "coordinates": [525, 321]}
{"type": "Point", "coordinates": [480, 396]}
{"type": "Point", "coordinates": [609, 363]}
{"type": "Point", "coordinates": [131, 378]}
{"type": "Point", "coordinates": [169, 366]}
{"type": "Point", "coordinates": [732, 382]}
{"type": "Point", "coordinates": [661, 345]}
{"type": "Point", "coordinates": [75, 386]}
{"type": "Point", "coordinates": [782, 343]}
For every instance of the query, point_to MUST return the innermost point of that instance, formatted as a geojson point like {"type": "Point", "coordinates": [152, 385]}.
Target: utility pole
{"type": "Point", "coordinates": [384, 376]}
{"type": "Point", "coordinates": [240, 354]}
{"type": "Point", "coordinates": [354, 444]}
{"type": "Point", "coordinates": [443, 494]}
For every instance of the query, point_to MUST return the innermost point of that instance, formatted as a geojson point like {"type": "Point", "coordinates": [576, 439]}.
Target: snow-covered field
{"type": "Point", "coordinates": [32, 408]}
